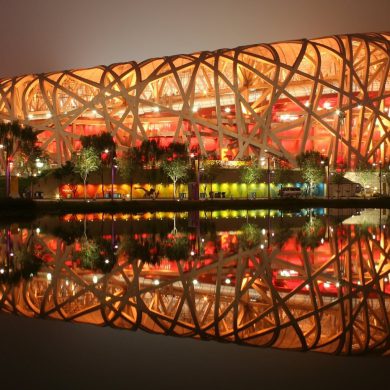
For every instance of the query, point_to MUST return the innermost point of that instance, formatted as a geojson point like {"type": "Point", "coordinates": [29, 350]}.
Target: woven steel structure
{"type": "Point", "coordinates": [330, 94]}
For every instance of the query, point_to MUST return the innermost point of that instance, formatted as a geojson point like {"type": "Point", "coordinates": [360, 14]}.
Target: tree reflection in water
{"type": "Point", "coordinates": [284, 282]}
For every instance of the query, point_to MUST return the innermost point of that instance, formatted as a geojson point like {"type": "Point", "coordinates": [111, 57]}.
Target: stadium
{"type": "Point", "coordinates": [330, 95]}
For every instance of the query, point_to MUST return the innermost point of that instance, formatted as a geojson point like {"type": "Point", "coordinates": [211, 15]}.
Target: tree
{"type": "Point", "coordinates": [23, 264]}
{"type": "Point", "coordinates": [176, 150]}
{"type": "Point", "coordinates": [312, 165]}
{"type": "Point", "coordinates": [364, 175]}
{"type": "Point", "coordinates": [176, 170]}
{"type": "Point", "coordinates": [67, 171]}
{"type": "Point", "coordinates": [129, 164]}
{"type": "Point", "coordinates": [87, 161]}
{"type": "Point", "coordinates": [99, 142]}
{"type": "Point", "coordinates": [105, 146]}
{"type": "Point", "coordinates": [97, 254]}
{"type": "Point", "coordinates": [33, 165]}
{"type": "Point", "coordinates": [282, 176]}
{"type": "Point", "coordinates": [209, 172]}
{"type": "Point", "coordinates": [177, 247]}
{"type": "Point", "coordinates": [150, 153]}
{"type": "Point", "coordinates": [15, 139]}
{"type": "Point", "coordinates": [250, 174]}
{"type": "Point", "coordinates": [311, 233]}
{"type": "Point", "coordinates": [250, 236]}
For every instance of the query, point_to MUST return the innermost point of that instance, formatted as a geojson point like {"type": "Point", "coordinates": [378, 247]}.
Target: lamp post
{"type": "Point", "coordinates": [268, 175]}
{"type": "Point", "coordinates": [262, 162]}
{"type": "Point", "coordinates": [326, 163]}
{"type": "Point", "coordinates": [380, 175]}
{"type": "Point", "coordinates": [7, 168]}
{"type": "Point", "coordinates": [195, 162]}
{"type": "Point", "coordinates": [111, 151]}
{"type": "Point", "coordinates": [268, 178]}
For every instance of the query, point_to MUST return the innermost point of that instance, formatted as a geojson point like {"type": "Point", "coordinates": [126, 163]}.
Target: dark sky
{"type": "Point", "coordinates": [46, 35]}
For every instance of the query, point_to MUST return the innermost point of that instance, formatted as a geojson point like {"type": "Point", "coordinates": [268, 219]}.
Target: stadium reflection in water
{"type": "Point", "coordinates": [310, 280]}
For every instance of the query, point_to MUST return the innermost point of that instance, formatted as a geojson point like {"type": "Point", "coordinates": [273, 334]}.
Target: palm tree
{"type": "Point", "coordinates": [15, 139]}
{"type": "Point", "coordinates": [150, 153]}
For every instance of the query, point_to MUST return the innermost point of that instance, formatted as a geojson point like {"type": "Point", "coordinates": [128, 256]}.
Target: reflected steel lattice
{"type": "Point", "coordinates": [330, 94]}
{"type": "Point", "coordinates": [253, 312]}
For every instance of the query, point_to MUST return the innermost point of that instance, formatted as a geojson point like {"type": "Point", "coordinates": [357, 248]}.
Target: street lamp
{"type": "Point", "coordinates": [7, 159]}
{"type": "Point", "coordinates": [38, 163]}
{"type": "Point", "coordinates": [268, 175]}
{"type": "Point", "coordinates": [195, 163]}
{"type": "Point", "coordinates": [111, 153]}
{"type": "Point", "coordinates": [327, 165]}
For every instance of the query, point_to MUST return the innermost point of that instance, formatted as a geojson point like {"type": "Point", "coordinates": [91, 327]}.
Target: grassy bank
{"type": "Point", "coordinates": [28, 209]}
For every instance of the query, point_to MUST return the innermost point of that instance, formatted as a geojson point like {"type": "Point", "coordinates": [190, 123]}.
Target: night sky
{"type": "Point", "coordinates": [47, 35]}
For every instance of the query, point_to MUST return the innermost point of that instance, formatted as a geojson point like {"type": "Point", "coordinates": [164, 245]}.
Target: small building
{"type": "Point", "coordinates": [344, 188]}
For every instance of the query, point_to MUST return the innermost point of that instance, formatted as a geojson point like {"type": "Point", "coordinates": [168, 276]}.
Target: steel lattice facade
{"type": "Point", "coordinates": [330, 94]}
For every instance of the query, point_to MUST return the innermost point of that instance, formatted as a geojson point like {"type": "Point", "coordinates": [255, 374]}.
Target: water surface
{"type": "Point", "coordinates": [305, 280]}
